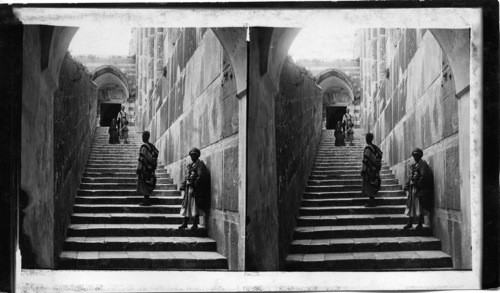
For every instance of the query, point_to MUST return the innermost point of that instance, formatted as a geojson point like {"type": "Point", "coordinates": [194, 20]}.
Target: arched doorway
{"type": "Point", "coordinates": [338, 94]}
{"type": "Point", "coordinates": [112, 92]}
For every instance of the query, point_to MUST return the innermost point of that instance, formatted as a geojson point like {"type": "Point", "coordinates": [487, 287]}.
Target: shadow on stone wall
{"type": "Point", "coordinates": [298, 122]}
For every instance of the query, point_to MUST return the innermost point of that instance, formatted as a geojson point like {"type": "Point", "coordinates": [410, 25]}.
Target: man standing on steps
{"type": "Point", "coordinates": [121, 118]}
{"type": "Point", "coordinates": [346, 120]}
{"type": "Point", "coordinates": [148, 160]}
{"type": "Point", "coordinates": [419, 188]}
{"type": "Point", "coordinates": [196, 187]}
{"type": "Point", "coordinates": [372, 163]}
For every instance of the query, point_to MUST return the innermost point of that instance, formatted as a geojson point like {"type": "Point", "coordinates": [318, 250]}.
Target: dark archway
{"type": "Point", "coordinates": [109, 74]}
{"type": "Point", "coordinates": [335, 78]}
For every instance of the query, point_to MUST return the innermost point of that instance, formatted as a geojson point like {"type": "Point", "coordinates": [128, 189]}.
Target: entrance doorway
{"type": "Point", "coordinates": [108, 112]}
{"type": "Point", "coordinates": [334, 114]}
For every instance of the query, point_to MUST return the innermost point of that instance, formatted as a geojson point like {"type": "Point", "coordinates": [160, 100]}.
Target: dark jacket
{"type": "Point", "coordinates": [198, 177]}
{"type": "Point", "coordinates": [420, 176]}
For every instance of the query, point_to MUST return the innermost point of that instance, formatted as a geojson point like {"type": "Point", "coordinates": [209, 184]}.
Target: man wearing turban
{"type": "Point", "coordinates": [419, 188]}
{"type": "Point", "coordinates": [196, 188]}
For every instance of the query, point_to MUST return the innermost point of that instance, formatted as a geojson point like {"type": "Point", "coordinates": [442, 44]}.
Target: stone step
{"type": "Point", "coordinates": [123, 186]}
{"type": "Point", "coordinates": [347, 177]}
{"type": "Point", "coordinates": [125, 218]}
{"type": "Point", "coordinates": [119, 170]}
{"type": "Point", "coordinates": [324, 188]}
{"type": "Point", "coordinates": [337, 154]}
{"type": "Point", "coordinates": [350, 220]}
{"type": "Point", "coordinates": [350, 194]}
{"type": "Point", "coordinates": [347, 210]}
{"type": "Point", "coordinates": [359, 147]}
{"type": "Point", "coordinates": [113, 166]}
{"type": "Point", "coordinates": [356, 201]}
{"type": "Point", "coordinates": [131, 180]}
{"type": "Point", "coordinates": [122, 174]}
{"type": "Point", "coordinates": [140, 243]}
{"type": "Point", "coordinates": [341, 245]}
{"type": "Point", "coordinates": [122, 146]}
{"type": "Point", "coordinates": [345, 172]}
{"type": "Point", "coordinates": [116, 148]}
{"type": "Point", "coordinates": [155, 200]}
{"type": "Point", "coordinates": [341, 162]}
{"type": "Point", "coordinates": [367, 260]}
{"type": "Point", "coordinates": [133, 230]}
{"type": "Point", "coordinates": [357, 231]}
{"type": "Point", "coordinates": [357, 181]}
{"type": "Point", "coordinates": [115, 154]}
{"type": "Point", "coordinates": [143, 260]}
{"type": "Point", "coordinates": [126, 208]}
{"type": "Point", "coordinates": [341, 168]}
{"type": "Point", "coordinates": [130, 192]}
{"type": "Point", "coordinates": [113, 161]}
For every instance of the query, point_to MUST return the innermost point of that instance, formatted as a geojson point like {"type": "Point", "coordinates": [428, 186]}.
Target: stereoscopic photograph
{"type": "Point", "coordinates": [158, 149]}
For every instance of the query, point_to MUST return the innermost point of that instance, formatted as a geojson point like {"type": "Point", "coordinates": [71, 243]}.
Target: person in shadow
{"type": "Point", "coordinates": [370, 171]}
{"type": "Point", "coordinates": [339, 135]}
{"type": "Point", "coordinates": [113, 133]}
{"type": "Point", "coordinates": [148, 161]}
{"type": "Point", "coordinates": [196, 189]}
{"type": "Point", "coordinates": [419, 188]}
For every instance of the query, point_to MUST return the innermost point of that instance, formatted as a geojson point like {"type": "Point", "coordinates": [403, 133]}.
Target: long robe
{"type": "Point", "coordinates": [113, 135]}
{"type": "Point", "coordinates": [196, 187]}
{"type": "Point", "coordinates": [419, 186]}
{"type": "Point", "coordinates": [346, 120]}
{"type": "Point", "coordinates": [371, 170]}
{"type": "Point", "coordinates": [339, 137]}
{"type": "Point", "coordinates": [146, 178]}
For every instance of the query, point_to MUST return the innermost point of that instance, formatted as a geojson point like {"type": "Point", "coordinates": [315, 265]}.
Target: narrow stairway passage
{"type": "Point", "coordinates": [109, 230]}
{"type": "Point", "coordinates": [336, 232]}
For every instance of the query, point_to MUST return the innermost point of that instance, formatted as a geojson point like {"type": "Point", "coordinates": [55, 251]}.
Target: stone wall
{"type": "Point", "coordinates": [194, 105]}
{"type": "Point", "coordinates": [409, 101]}
{"type": "Point", "coordinates": [75, 118]}
{"type": "Point", "coordinates": [298, 129]}
{"type": "Point", "coordinates": [37, 165]}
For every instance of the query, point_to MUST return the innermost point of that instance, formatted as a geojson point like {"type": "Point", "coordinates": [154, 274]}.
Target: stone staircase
{"type": "Point", "coordinates": [336, 232]}
{"type": "Point", "coordinates": [109, 230]}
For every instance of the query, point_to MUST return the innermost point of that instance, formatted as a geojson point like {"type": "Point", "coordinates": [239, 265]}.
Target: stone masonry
{"type": "Point", "coordinates": [336, 232]}
{"type": "Point", "coordinates": [109, 230]}
{"type": "Point", "coordinates": [409, 101]}
{"type": "Point", "coordinates": [75, 115]}
{"type": "Point", "coordinates": [298, 128]}
{"type": "Point", "coordinates": [187, 98]}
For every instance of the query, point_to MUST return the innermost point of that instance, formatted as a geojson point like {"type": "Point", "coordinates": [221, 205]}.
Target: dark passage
{"type": "Point", "coordinates": [334, 114]}
{"type": "Point", "coordinates": [108, 112]}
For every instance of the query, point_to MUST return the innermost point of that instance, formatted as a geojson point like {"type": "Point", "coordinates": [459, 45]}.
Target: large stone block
{"type": "Point", "coordinates": [190, 42]}
{"type": "Point", "coordinates": [452, 179]}
{"type": "Point", "coordinates": [230, 179]}
{"type": "Point", "coordinates": [451, 113]}
{"type": "Point", "coordinates": [410, 46]}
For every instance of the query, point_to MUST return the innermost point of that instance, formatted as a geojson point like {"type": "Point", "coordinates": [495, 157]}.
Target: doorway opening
{"type": "Point", "coordinates": [108, 112]}
{"type": "Point", "coordinates": [333, 115]}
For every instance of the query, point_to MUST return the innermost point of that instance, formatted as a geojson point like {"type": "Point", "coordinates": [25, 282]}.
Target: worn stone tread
{"type": "Point", "coordinates": [110, 230]}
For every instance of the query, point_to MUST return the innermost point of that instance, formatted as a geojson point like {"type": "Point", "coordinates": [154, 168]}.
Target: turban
{"type": "Point", "coordinates": [417, 152]}
{"type": "Point", "coordinates": [195, 151]}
